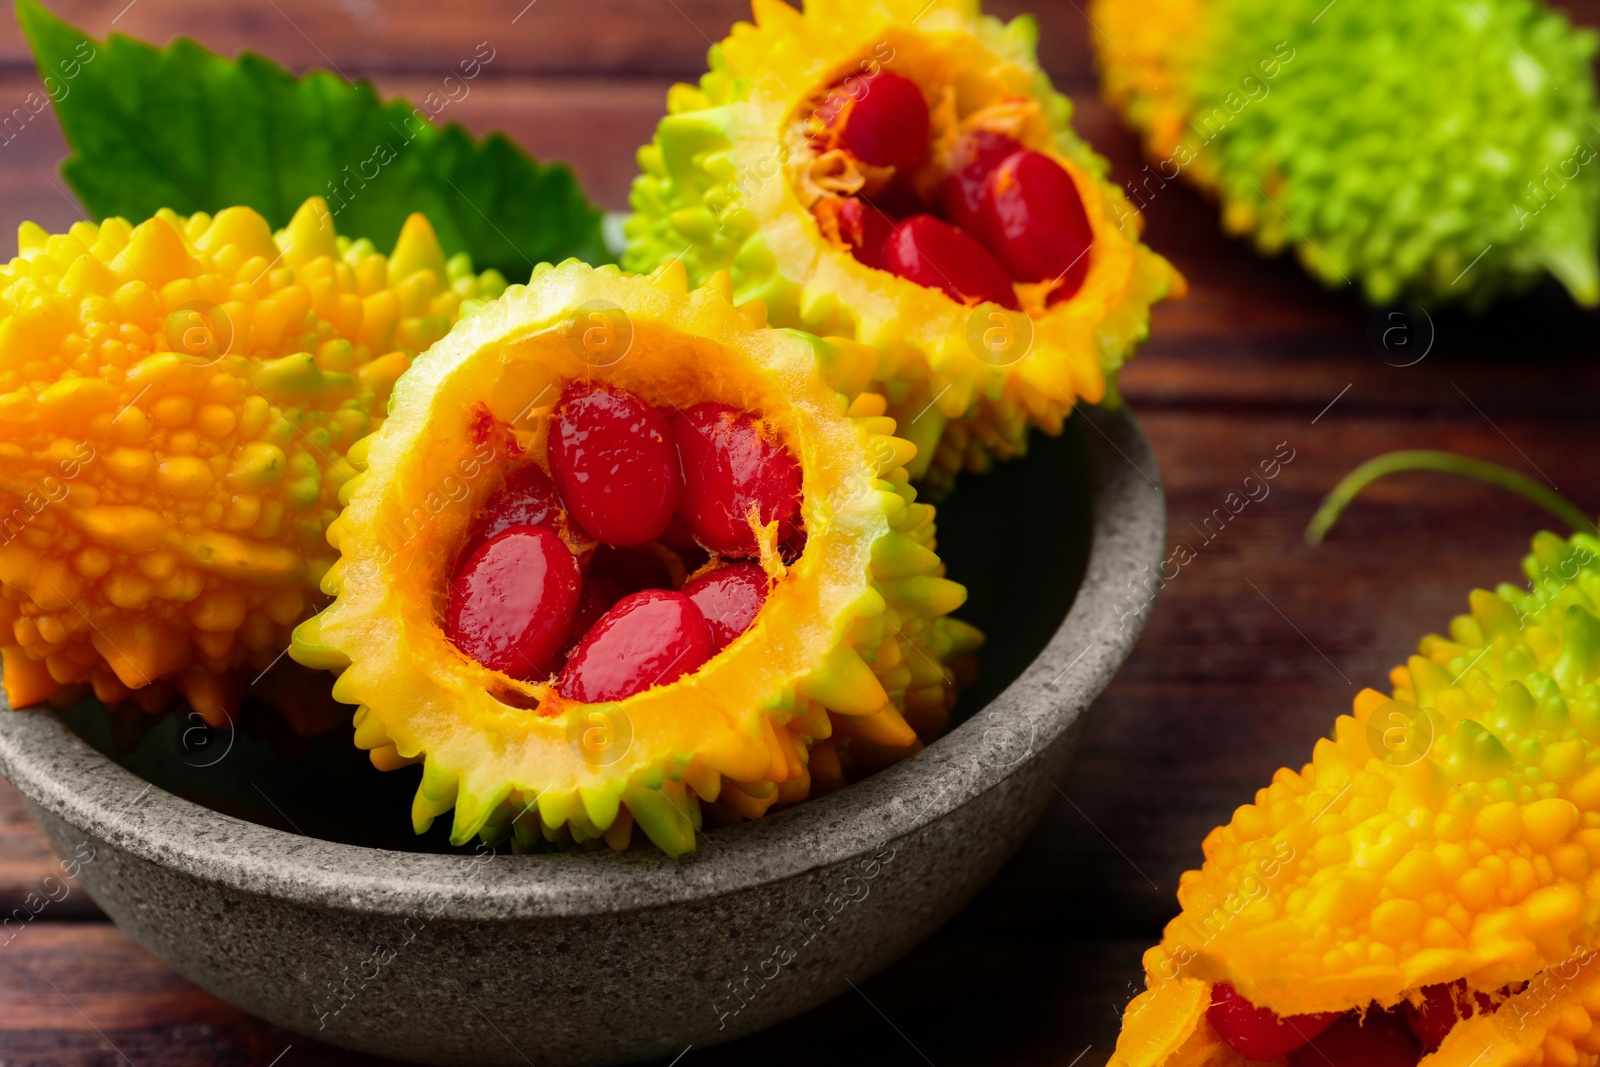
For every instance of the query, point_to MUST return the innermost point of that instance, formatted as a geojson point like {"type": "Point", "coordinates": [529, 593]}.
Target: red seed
{"type": "Point", "coordinates": [976, 156]}
{"type": "Point", "coordinates": [649, 638]}
{"type": "Point", "coordinates": [935, 254]}
{"type": "Point", "coordinates": [528, 498]}
{"type": "Point", "coordinates": [512, 602]}
{"type": "Point", "coordinates": [1260, 1033]}
{"type": "Point", "coordinates": [886, 120]}
{"type": "Point", "coordinates": [1349, 1043]}
{"type": "Point", "coordinates": [730, 469]}
{"type": "Point", "coordinates": [1032, 219]}
{"type": "Point", "coordinates": [865, 228]}
{"type": "Point", "coordinates": [632, 569]}
{"type": "Point", "coordinates": [1442, 1007]}
{"type": "Point", "coordinates": [615, 463]}
{"type": "Point", "coordinates": [730, 598]}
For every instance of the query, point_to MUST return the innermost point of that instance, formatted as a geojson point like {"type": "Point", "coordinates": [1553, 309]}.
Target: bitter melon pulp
{"type": "Point", "coordinates": [849, 656]}
{"type": "Point", "coordinates": [1433, 150]}
{"type": "Point", "coordinates": [176, 401]}
{"type": "Point", "coordinates": [902, 172]}
{"type": "Point", "coordinates": [1427, 887]}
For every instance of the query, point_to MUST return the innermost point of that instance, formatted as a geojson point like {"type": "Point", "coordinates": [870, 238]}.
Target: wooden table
{"type": "Point", "coordinates": [1253, 649]}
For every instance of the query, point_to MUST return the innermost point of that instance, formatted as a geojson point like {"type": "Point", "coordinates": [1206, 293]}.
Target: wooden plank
{"type": "Point", "coordinates": [34, 884]}
{"type": "Point", "coordinates": [595, 125]}
{"type": "Point", "coordinates": [1261, 332]}
{"type": "Point", "coordinates": [87, 976]}
{"type": "Point", "coordinates": [86, 996]}
{"type": "Point", "coordinates": [654, 38]}
{"type": "Point", "coordinates": [969, 996]}
{"type": "Point", "coordinates": [363, 37]}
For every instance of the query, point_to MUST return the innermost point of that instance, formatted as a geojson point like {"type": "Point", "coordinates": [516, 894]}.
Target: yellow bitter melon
{"type": "Point", "coordinates": [851, 642]}
{"type": "Point", "coordinates": [730, 181]}
{"type": "Point", "coordinates": [176, 400]}
{"type": "Point", "coordinates": [1447, 834]}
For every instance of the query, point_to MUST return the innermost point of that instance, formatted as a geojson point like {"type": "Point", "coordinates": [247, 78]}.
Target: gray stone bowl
{"type": "Point", "coordinates": [595, 957]}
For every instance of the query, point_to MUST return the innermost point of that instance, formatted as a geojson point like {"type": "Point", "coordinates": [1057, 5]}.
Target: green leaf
{"type": "Point", "coordinates": [185, 129]}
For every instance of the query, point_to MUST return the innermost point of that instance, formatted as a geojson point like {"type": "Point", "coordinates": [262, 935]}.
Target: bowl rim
{"type": "Point", "coordinates": [63, 775]}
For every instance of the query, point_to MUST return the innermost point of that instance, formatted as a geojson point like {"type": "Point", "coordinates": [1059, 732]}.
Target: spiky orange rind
{"type": "Point", "coordinates": [723, 188]}
{"type": "Point", "coordinates": [1450, 831]}
{"type": "Point", "coordinates": [176, 400]}
{"type": "Point", "coordinates": [851, 643]}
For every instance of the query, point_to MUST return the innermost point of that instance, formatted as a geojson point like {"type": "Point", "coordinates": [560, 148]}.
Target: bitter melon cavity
{"type": "Point", "coordinates": [902, 172]}
{"type": "Point", "coordinates": [176, 403]}
{"type": "Point", "coordinates": [1427, 888]}
{"type": "Point", "coordinates": [623, 555]}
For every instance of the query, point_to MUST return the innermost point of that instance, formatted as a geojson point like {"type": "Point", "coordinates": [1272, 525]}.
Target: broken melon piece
{"type": "Point", "coordinates": [1446, 835]}
{"type": "Point", "coordinates": [851, 642]}
{"type": "Point", "coordinates": [733, 179]}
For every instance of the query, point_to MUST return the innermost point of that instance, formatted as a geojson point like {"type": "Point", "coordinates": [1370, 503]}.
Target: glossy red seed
{"type": "Point", "coordinates": [1260, 1033]}
{"type": "Point", "coordinates": [929, 252]}
{"type": "Point", "coordinates": [886, 122]}
{"type": "Point", "coordinates": [632, 569]}
{"type": "Point", "coordinates": [614, 460]}
{"type": "Point", "coordinates": [865, 229]}
{"type": "Point", "coordinates": [730, 468]}
{"type": "Point", "coordinates": [1349, 1043]}
{"type": "Point", "coordinates": [648, 638]}
{"type": "Point", "coordinates": [1032, 219]}
{"type": "Point", "coordinates": [512, 602]}
{"type": "Point", "coordinates": [730, 598]}
{"type": "Point", "coordinates": [976, 157]}
{"type": "Point", "coordinates": [527, 498]}
{"type": "Point", "coordinates": [1442, 1007]}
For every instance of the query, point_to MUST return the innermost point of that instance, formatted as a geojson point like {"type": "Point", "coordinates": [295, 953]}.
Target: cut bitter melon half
{"type": "Point", "coordinates": [176, 399]}
{"type": "Point", "coordinates": [1432, 150]}
{"type": "Point", "coordinates": [815, 163]}
{"type": "Point", "coordinates": [849, 657]}
{"type": "Point", "coordinates": [1425, 889]}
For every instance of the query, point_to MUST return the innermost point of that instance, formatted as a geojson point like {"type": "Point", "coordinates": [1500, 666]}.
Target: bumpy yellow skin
{"type": "Point", "coordinates": [1449, 832]}
{"type": "Point", "coordinates": [724, 188]}
{"type": "Point", "coordinates": [1146, 73]}
{"type": "Point", "coordinates": [849, 660]}
{"type": "Point", "coordinates": [176, 400]}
